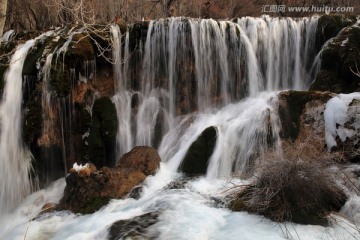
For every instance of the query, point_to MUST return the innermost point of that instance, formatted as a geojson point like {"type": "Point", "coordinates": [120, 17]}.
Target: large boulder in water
{"type": "Point", "coordinates": [88, 189]}
{"type": "Point", "coordinates": [135, 228]}
{"type": "Point", "coordinates": [197, 157]}
{"type": "Point", "coordinates": [143, 158]}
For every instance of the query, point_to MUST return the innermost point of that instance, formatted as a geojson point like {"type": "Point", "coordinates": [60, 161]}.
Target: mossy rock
{"type": "Point", "coordinates": [104, 113]}
{"type": "Point", "coordinates": [103, 133]}
{"type": "Point", "coordinates": [326, 80]}
{"type": "Point", "coordinates": [197, 157]}
{"type": "Point", "coordinates": [84, 130]}
{"type": "Point", "coordinates": [330, 59]}
{"type": "Point", "coordinates": [81, 47]}
{"type": "Point", "coordinates": [329, 26]}
{"type": "Point", "coordinates": [60, 80]}
{"type": "Point", "coordinates": [339, 59]}
{"type": "Point", "coordinates": [33, 117]}
{"type": "Point", "coordinates": [85, 120]}
{"type": "Point", "coordinates": [80, 50]}
{"type": "Point", "coordinates": [94, 204]}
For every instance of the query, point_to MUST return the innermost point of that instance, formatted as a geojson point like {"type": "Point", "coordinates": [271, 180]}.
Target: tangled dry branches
{"type": "Point", "coordinates": [298, 191]}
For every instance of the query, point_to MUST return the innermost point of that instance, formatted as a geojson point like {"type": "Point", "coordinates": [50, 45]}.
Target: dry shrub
{"type": "Point", "coordinates": [298, 191]}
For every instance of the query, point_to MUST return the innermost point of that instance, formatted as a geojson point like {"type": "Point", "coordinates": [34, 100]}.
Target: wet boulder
{"type": "Point", "coordinates": [146, 159]}
{"type": "Point", "coordinates": [197, 157]}
{"type": "Point", "coordinates": [135, 228]}
{"type": "Point", "coordinates": [88, 188]}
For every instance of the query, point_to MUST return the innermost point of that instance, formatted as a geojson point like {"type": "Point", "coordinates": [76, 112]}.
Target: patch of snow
{"type": "Point", "coordinates": [78, 168]}
{"type": "Point", "coordinates": [336, 116]}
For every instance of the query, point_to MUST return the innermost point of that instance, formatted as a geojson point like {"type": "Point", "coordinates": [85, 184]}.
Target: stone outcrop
{"type": "Point", "coordinates": [303, 128]}
{"type": "Point", "coordinates": [197, 157]}
{"type": "Point", "coordinates": [142, 158]}
{"type": "Point", "coordinates": [292, 105]}
{"type": "Point", "coordinates": [329, 26]}
{"type": "Point", "coordinates": [135, 228]}
{"type": "Point", "coordinates": [102, 137]}
{"type": "Point", "coordinates": [88, 189]}
{"type": "Point", "coordinates": [339, 60]}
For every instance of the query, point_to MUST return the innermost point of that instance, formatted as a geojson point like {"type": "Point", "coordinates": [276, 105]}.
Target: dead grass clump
{"type": "Point", "coordinates": [298, 191]}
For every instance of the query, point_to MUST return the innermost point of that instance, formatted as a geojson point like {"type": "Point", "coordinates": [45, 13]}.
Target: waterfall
{"type": "Point", "coordinates": [124, 139]}
{"type": "Point", "coordinates": [188, 75]}
{"type": "Point", "coordinates": [123, 96]}
{"type": "Point", "coordinates": [201, 66]}
{"type": "Point", "coordinates": [284, 49]}
{"type": "Point", "coordinates": [116, 37]}
{"type": "Point", "coordinates": [15, 159]}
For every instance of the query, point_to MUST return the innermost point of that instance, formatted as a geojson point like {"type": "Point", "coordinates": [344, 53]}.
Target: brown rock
{"type": "Point", "coordinates": [121, 181]}
{"type": "Point", "coordinates": [145, 159]}
{"type": "Point", "coordinates": [89, 189]}
{"type": "Point", "coordinates": [84, 172]}
{"type": "Point", "coordinates": [91, 167]}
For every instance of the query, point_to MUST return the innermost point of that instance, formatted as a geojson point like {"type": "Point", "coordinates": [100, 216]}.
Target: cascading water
{"type": "Point", "coordinates": [203, 65]}
{"type": "Point", "coordinates": [284, 49]}
{"type": "Point", "coordinates": [15, 159]}
{"type": "Point", "coordinates": [194, 74]}
{"type": "Point", "coordinates": [255, 120]}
